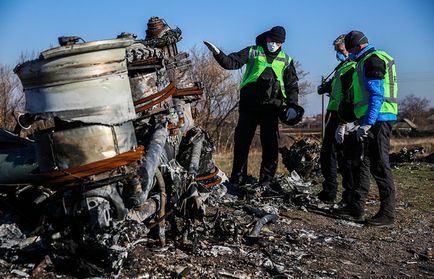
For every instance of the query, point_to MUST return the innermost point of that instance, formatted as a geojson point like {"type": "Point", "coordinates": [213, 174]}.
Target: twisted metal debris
{"type": "Point", "coordinates": [121, 159]}
{"type": "Point", "coordinates": [406, 155]}
{"type": "Point", "coordinates": [303, 157]}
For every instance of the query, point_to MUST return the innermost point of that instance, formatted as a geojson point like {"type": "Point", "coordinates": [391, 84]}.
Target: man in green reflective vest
{"type": "Point", "coordinates": [270, 81]}
{"type": "Point", "coordinates": [375, 106]}
{"type": "Point", "coordinates": [331, 155]}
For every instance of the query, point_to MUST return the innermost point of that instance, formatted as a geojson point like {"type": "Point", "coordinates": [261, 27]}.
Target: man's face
{"type": "Point", "coordinates": [341, 48]}
{"type": "Point", "coordinates": [271, 41]}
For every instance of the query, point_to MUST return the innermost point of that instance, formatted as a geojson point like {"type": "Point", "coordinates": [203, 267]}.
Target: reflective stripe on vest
{"type": "Point", "coordinates": [361, 94]}
{"type": "Point", "coordinates": [337, 95]}
{"type": "Point", "coordinates": [258, 63]}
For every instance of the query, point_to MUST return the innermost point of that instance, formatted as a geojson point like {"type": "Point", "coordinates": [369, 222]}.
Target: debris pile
{"type": "Point", "coordinates": [406, 155]}
{"type": "Point", "coordinates": [120, 158]}
{"type": "Point", "coordinates": [303, 157]}
{"type": "Point", "coordinates": [251, 226]}
{"type": "Point", "coordinates": [247, 223]}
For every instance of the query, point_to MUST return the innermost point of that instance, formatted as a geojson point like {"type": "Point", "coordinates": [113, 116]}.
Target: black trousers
{"type": "Point", "coordinates": [331, 158]}
{"type": "Point", "coordinates": [267, 119]}
{"type": "Point", "coordinates": [375, 162]}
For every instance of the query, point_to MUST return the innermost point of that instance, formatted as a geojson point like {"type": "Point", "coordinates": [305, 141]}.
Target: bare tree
{"type": "Point", "coordinates": [219, 105]}
{"type": "Point", "coordinates": [11, 97]}
{"type": "Point", "coordinates": [304, 85]}
{"type": "Point", "coordinates": [414, 108]}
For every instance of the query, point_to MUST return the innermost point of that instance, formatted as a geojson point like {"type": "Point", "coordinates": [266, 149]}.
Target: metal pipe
{"type": "Point", "coordinates": [195, 155]}
{"type": "Point", "coordinates": [152, 157]}
{"type": "Point", "coordinates": [163, 199]}
{"type": "Point", "coordinates": [322, 116]}
{"type": "Point", "coordinates": [260, 223]}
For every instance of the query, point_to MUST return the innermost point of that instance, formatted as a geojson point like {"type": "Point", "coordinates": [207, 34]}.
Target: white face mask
{"type": "Point", "coordinates": [272, 46]}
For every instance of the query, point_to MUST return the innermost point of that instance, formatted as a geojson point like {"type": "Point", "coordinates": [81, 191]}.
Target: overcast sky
{"type": "Point", "coordinates": [403, 28]}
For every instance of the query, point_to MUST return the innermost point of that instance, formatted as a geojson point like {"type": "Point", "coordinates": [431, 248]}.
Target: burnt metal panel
{"type": "Point", "coordinates": [82, 82]}
{"type": "Point", "coordinates": [79, 146]}
{"type": "Point", "coordinates": [17, 158]}
{"type": "Point", "coordinates": [86, 47]}
{"type": "Point", "coordinates": [143, 85]}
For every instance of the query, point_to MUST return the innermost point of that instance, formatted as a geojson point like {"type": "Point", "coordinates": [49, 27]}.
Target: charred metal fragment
{"type": "Point", "coordinates": [122, 153]}
{"type": "Point", "coordinates": [17, 158]}
{"type": "Point", "coordinates": [261, 223]}
{"type": "Point", "coordinates": [303, 157]}
{"type": "Point", "coordinates": [159, 34]}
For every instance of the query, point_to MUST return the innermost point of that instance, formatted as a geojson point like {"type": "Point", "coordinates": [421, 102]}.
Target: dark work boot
{"type": "Point", "coordinates": [271, 186]}
{"type": "Point", "coordinates": [236, 180]}
{"type": "Point", "coordinates": [380, 220]}
{"type": "Point", "coordinates": [325, 197]}
{"type": "Point", "coordinates": [250, 180]}
{"type": "Point", "coordinates": [235, 189]}
{"type": "Point", "coordinates": [350, 213]}
{"type": "Point", "coordinates": [342, 203]}
{"type": "Point", "coordinates": [243, 180]}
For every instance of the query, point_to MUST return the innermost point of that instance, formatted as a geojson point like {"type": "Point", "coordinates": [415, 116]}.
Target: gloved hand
{"type": "Point", "coordinates": [212, 47]}
{"type": "Point", "coordinates": [291, 114]}
{"type": "Point", "coordinates": [325, 87]}
{"type": "Point", "coordinates": [340, 133]}
{"type": "Point", "coordinates": [362, 132]}
{"type": "Point", "coordinates": [320, 89]}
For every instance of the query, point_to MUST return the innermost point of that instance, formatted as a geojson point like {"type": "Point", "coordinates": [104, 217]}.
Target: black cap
{"type": "Point", "coordinates": [277, 34]}
{"type": "Point", "coordinates": [355, 38]}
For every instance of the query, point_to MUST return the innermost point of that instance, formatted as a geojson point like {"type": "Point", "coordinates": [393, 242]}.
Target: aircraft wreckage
{"type": "Point", "coordinates": [122, 147]}
{"type": "Point", "coordinates": [120, 158]}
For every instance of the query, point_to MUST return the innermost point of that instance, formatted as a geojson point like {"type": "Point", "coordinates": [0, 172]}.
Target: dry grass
{"type": "Point", "coordinates": [224, 162]}
{"type": "Point", "coordinates": [427, 143]}
{"type": "Point", "coordinates": [224, 159]}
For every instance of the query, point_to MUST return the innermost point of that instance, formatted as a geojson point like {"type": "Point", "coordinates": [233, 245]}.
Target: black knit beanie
{"type": "Point", "coordinates": [277, 34]}
{"type": "Point", "coordinates": [355, 38]}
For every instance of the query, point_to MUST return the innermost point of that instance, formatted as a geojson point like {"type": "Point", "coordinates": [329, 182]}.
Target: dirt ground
{"type": "Point", "coordinates": [299, 244]}
{"type": "Point", "coordinates": [307, 245]}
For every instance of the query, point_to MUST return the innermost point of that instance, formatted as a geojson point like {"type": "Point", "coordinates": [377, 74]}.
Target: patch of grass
{"type": "Point", "coordinates": [224, 162]}
{"type": "Point", "coordinates": [415, 186]}
{"type": "Point", "coordinates": [427, 143]}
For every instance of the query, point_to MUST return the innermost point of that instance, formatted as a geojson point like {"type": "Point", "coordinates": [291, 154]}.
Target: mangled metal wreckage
{"type": "Point", "coordinates": [123, 148]}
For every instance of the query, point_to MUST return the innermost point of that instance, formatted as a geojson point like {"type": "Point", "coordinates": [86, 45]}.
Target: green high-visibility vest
{"type": "Point", "coordinates": [258, 63]}
{"type": "Point", "coordinates": [337, 95]}
{"type": "Point", "coordinates": [361, 94]}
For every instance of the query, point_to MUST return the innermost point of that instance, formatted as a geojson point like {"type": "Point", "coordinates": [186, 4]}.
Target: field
{"type": "Point", "coordinates": [298, 244]}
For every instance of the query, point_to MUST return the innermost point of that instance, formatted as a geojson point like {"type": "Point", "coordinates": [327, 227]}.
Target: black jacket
{"type": "Point", "coordinates": [346, 106]}
{"type": "Point", "coordinates": [374, 67]}
{"type": "Point", "coordinates": [255, 94]}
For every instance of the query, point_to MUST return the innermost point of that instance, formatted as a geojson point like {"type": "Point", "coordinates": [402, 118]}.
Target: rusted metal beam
{"type": "Point", "coordinates": [68, 175]}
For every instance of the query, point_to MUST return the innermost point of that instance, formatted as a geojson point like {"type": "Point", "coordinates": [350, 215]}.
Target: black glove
{"type": "Point", "coordinates": [325, 87]}
{"type": "Point", "coordinates": [212, 47]}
